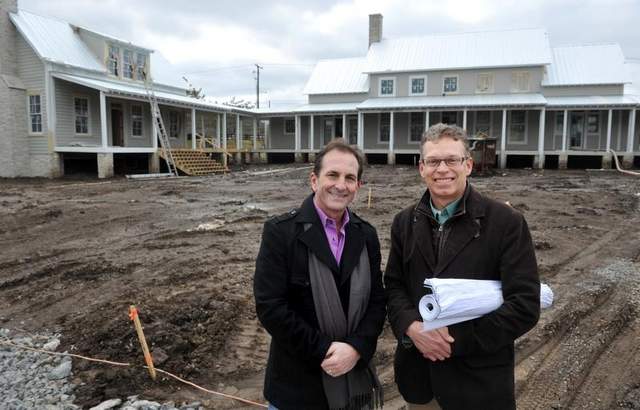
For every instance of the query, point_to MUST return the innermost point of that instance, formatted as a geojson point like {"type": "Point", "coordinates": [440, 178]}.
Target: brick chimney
{"type": "Point", "coordinates": [375, 28]}
{"type": "Point", "coordinates": [8, 64]}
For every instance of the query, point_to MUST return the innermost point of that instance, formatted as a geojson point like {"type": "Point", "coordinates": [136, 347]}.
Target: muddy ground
{"type": "Point", "coordinates": [76, 253]}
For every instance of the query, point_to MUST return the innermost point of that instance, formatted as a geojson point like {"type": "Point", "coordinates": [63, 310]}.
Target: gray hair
{"type": "Point", "coordinates": [439, 131]}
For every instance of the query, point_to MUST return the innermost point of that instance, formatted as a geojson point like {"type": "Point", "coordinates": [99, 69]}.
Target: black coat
{"type": "Point", "coordinates": [485, 239]}
{"type": "Point", "coordinates": [285, 306]}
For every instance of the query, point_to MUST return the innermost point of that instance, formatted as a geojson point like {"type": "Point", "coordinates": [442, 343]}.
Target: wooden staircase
{"type": "Point", "coordinates": [194, 162]}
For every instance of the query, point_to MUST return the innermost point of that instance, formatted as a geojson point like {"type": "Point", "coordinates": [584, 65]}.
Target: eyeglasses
{"type": "Point", "coordinates": [450, 162]}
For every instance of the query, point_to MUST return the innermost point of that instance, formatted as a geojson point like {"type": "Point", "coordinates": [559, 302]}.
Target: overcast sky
{"type": "Point", "coordinates": [215, 43]}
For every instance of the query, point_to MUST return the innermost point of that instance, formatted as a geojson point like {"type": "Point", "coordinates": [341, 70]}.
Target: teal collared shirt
{"type": "Point", "coordinates": [447, 212]}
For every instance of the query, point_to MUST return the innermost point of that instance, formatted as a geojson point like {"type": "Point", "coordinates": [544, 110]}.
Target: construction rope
{"type": "Point", "coordinates": [624, 171]}
{"type": "Point", "coordinates": [227, 396]}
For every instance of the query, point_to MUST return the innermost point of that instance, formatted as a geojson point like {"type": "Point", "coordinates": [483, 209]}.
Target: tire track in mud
{"type": "Point", "coordinates": [559, 377]}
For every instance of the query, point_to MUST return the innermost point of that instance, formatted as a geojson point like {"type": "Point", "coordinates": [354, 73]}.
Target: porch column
{"type": "Point", "coordinates": [255, 134]}
{"type": "Point", "coordinates": [540, 161]}
{"type": "Point", "coordinates": [464, 119]}
{"type": "Point", "coordinates": [312, 153]}
{"type": "Point", "coordinates": [426, 120]}
{"type": "Point", "coordinates": [219, 130]}
{"type": "Point", "coordinates": [606, 158]}
{"type": "Point", "coordinates": [391, 156]}
{"type": "Point", "coordinates": [154, 158]}
{"type": "Point", "coordinates": [627, 159]}
{"type": "Point", "coordinates": [296, 143]}
{"type": "Point", "coordinates": [223, 137]}
{"type": "Point", "coordinates": [154, 130]}
{"type": "Point", "coordinates": [345, 135]}
{"type": "Point", "coordinates": [238, 139]}
{"type": "Point", "coordinates": [103, 121]}
{"type": "Point", "coordinates": [564, 158]}
{"type": "Point", "coordinates": [503, 141]}
{"type": "Point", "coordinates": [193, 129]}
{"type": "Point", "coordinates": [361, 130]}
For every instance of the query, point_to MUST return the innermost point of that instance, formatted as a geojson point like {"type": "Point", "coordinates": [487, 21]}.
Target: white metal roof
{"type": "Point", "coordinates": [457, 101]}
{"type": "Point", "coordinates": [54, 40]}
{"type": "Point", "coordinates": [139, 92]}
{"type": "Point", "coordinates": [593, 101]}
{"type": "Point", "coordinates": [338, 76]}
{"type": "Point", "coordinates": [596, 64]}
{"type": "Point", "coordinates": [507, 48]}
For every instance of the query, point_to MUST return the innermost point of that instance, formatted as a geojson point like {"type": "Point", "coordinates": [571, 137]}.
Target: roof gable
{"type": "Point", "coordinates": [55, 41]}
{"type": "Point", "coordinates": [508, 48]}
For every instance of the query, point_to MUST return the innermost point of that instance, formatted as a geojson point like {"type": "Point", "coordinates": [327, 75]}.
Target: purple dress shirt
{"type": "Point", "coordinates": [335, 237]}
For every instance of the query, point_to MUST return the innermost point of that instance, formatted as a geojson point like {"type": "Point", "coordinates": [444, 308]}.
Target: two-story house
{"type": "Point", "coordinates": [544, 105]}
{"type": "Point", "coordinates": [69, 92]}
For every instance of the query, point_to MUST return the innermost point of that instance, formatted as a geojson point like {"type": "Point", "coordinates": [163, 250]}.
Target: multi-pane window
{"type": "Point", "coordinates": [141, 62]}
{"type": "Point", "coordinates": [290, 126]}
{"type": "Point", "coordinates": [559, 124]}
{"type": "Point", "coordinates": [174, 124]}
{"type": "Point", "coordinates": [517, 128]}
{"type": "Point", "coordinates": [593, 123]}
{"type": "Point", "coordinates": [483, 122]}
{"type": "Point", "coordinates": [353, 131]}
{"type": "Point", "coordinates": [113, 60]}
{"type": "Point", "coordinates": [35, 114]}
{"type": "Point", "coordinates": [416, 126]}
{"type": "Point", "coordinates": [136, 120]}
{"type": "Point", "coordinates": [418, 85]}
{"type": "Point", "coordinates": [385, 126]}
{"type": "Point", "coordinates": [520, 81]}
{"type": "Point", "coordinates": [81, 110]}
{"type": "Point", "coordinates": [450, 84]}
{"type": "Point", "coordinates": [485, 83]}
{"type": "Point", "coordinates": [386, 86]}
{"type": "Point", "coordinates": [127, 64]}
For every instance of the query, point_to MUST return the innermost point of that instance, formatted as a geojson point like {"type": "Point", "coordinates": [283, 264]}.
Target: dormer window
{"type": "Point", "coordinates": [127, 64]}
{"type": "Point", "coordinates": [520, 81]}
{"type": "Point", "coordinates": [113, 60]}
{"type": "Point", "coordinates": [141, 66]}
{"type": "Point", "coordinates": [418, 85]}
{"type": "Point", "coordinates": [387, 87]}
{"type": "Point", "coordinates": [450, 84]}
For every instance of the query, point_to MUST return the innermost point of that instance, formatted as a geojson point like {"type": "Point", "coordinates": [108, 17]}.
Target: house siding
{"type": "Point", "coordinates": [65, 115]}
{"type": "Point", "coordinates": [583, 90]}
{"type": "Point", "coordinates": [336, 98]}
{"type": "Point", "coordinates": [31, 72]}
{"type": "Point", "coordinates": [467, 81]}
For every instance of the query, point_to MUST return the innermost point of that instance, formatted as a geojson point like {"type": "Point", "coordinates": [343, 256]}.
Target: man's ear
{"type": "Point", "coordinates": [313, 180]}
{"type": "Point", "coordinates": [360, 183]}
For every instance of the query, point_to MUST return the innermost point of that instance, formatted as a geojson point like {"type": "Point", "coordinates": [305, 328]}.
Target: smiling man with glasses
{"type": "Point", "coordinates": [456, 232]}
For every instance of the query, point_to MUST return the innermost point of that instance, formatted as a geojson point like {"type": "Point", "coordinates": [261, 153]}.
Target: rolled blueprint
{"type": "Point", "coordinates": [451, 301]}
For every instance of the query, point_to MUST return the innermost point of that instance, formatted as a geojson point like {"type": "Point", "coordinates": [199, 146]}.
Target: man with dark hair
{"type": "Point", "coordinates": [455, 232]}
{"type": "Point", "coordinates": [318, 291]}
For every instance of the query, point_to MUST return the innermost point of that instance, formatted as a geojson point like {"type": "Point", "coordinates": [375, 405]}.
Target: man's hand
{"type": "Point", "coordinates": [340, 359]}
{"type": "Point", "coordinates": [433, 344]}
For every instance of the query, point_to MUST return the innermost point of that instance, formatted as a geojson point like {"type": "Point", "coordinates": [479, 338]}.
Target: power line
{"type": "Point", "coordinates": [235, 67]}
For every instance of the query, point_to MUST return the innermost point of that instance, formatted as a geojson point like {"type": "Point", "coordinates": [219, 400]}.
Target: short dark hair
{"type": "Point", "coordinates": [340, 145]}
{"type": "Point", "coordinates": [438, 131]}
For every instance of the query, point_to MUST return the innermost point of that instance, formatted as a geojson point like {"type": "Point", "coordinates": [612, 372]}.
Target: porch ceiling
{"type": "Point", "coordinates": [595, 101]}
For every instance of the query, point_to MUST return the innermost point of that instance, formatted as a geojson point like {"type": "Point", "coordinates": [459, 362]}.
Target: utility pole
{"type": "Point", "coordinates": [258, 68]}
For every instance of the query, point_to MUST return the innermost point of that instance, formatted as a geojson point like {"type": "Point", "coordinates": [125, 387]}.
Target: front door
{"type": "Point", "coordinates": [576, 130]}
{"type": "Point", "coordinates": [117, 127]}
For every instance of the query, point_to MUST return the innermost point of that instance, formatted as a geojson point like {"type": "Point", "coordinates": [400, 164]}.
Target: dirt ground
{"type": "Point", "coordinates": [77, 252]}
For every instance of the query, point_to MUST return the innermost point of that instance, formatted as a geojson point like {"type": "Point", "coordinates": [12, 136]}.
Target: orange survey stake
{"type": "Point", "coordinates": [133, 315]}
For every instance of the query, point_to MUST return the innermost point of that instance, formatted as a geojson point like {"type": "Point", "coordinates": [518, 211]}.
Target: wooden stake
{"type": "Point", "coordinates": [369, 201]}
{"type": "Point", "coordinates": [133, 315]}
